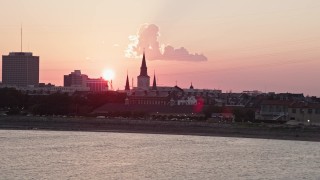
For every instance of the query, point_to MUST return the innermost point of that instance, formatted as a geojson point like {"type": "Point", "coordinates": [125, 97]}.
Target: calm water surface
{"type": "Point", "coordinates": [105, 155]}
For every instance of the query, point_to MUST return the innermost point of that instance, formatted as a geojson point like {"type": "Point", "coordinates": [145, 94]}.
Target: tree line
{"type": "Point", "coordinates": [13, 101]}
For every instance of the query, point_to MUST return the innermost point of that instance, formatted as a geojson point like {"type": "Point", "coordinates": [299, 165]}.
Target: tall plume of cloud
{"type": "Point", "coordinates": [147, 39]}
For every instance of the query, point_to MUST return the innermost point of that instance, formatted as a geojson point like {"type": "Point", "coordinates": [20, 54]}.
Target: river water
{"type": "Point", "coordinates": [105, 155]}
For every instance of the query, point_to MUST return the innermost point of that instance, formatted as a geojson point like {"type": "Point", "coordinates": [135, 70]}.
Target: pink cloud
{"type": "Point", "coordinates": [147, 40]}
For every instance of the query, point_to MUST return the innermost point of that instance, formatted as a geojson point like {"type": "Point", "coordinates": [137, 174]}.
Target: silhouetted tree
{"type": "Point", "coordinates": [12, 98]}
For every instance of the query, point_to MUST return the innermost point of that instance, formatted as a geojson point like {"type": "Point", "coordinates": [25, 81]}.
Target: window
{"type": "Point", "coordinates": [310, 111]}
{"type": "Point", "coordinates": [264, 108]}
{"type": "Point", "coordinates": [302, 111]}
{"type": "Point", "coordinates": [294, 111]}
{"type": "Point", "coordinates": [317, 111]}
{"type": "Point", "coordinates": [271, 109]}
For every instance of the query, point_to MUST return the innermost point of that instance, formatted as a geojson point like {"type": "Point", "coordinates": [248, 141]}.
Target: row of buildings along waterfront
{"type": "Point", "coordinates": [165, 101]}
{"type": "Point", "coordinates": [266, 107]}
{"type": "Point", "coordinates": [21, 71]}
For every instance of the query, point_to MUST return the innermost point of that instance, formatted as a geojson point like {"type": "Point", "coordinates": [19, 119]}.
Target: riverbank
{"type": "Point", "coordinates": [265, 131]}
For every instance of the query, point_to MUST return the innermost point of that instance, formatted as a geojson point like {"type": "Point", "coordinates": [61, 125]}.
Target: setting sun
{"type": "Point", "coordinates": [108, 74]}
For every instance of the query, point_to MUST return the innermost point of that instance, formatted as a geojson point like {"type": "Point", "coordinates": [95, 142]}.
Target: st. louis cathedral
{"type": "Point", "coordinates": [143, 78]}
{"type": "Point", "coordinates": [144, 94]}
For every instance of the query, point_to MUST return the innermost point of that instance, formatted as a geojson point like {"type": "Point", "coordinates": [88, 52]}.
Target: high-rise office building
{"type": "Point", "coordinates": [20, 69]}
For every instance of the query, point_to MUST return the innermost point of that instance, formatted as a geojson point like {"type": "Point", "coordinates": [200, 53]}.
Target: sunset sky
{"type": "Point", "coordinates": [266, 45]}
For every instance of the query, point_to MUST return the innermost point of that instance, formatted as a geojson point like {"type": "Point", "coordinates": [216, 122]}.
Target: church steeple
{"type": "Point", "coordinates": [154, 85]}
{"type": "Point", "coordinates": [143, 68]}
{"type": "Point", "coordinates": [191, 87]}
{"type": "Point", "coordinates": [127, 87]}
{"type": "Point", "coordinates": [143, 78]}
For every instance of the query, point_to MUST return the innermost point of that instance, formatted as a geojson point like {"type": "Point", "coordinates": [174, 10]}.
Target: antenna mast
{"type": "Point", "coordinates": [132, 83]}
{"type": "Point", "coordinates": [111, 87]}
{"type": "Point", "coordinates": [21, 38]}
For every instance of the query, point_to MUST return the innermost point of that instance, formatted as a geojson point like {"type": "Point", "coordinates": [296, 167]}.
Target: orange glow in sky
{"type": "Point", "coordinates": [233, 45]}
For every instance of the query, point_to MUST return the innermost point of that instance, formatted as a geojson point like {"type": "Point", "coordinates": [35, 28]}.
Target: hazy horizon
{"type": "Point", "coordinates": [271, 46]}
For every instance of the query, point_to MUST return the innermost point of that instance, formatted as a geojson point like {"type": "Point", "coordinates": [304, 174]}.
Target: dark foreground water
{"type": "Point", "coordinates": [105, 155]}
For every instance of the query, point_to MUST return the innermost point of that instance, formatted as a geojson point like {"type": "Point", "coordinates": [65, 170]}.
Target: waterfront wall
{"type": "Point", "coordinates": [170, 127]}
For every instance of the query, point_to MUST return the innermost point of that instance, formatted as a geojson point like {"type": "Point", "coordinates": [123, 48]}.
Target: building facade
{"type": "Point", "coordinates": [76, 79]}
{"type": "Point", "coordinates": [274, 110]}
{"type": "Point", "coordinates": [149, 100]}
{"type": "Point", "coordinates": [20, 69]}
{"type": "Point", "coordinates": [97, 85]}
{"type": "Point", "coordinates": [190, 100]}
{"type": "Point", "coordinates": [305, 113]}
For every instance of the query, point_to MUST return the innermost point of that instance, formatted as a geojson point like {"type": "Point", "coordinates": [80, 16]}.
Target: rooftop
{"type": "Point", "coordinates": [20, 54]}
{"type": "Point", "coordinates": [277, 102]}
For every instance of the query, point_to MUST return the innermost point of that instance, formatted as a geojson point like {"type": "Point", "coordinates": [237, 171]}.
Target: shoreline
{"type": "Point", "coordinates": [161, 127]}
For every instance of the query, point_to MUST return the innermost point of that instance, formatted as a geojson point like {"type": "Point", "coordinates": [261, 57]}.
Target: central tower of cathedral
{"type": "Point", "coordinates": [143, 78]}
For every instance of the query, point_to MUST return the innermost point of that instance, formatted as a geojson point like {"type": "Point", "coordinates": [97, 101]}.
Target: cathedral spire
{"type": "Point", "coordinates": [143, 68]}
{"type": "Point", "coordinates": [144, 64]}
{"type": "Point", "coordinates": [143, 78]}
{"type": "Point", "coordinates": [127, 87]}
{"type": "Point", "coordinates": [154, 85]}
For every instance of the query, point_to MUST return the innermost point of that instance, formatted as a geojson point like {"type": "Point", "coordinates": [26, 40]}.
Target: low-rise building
{"type": "Point", "coordinates": [305, 113]}
{"type": "Point", "coordinates": [189, 101]}
{"type": "Point", "coordinates": [76, 79]}
{"type": "Point", "coordinates": [97, 85]}
{"type": "Point", "coordinates": [148, 98]}
{"type": "Point", "coordinates": [275, 110]}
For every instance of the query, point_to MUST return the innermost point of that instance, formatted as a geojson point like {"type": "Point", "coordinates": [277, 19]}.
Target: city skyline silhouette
{"type": "Point", "coordinates": [216, 45]}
